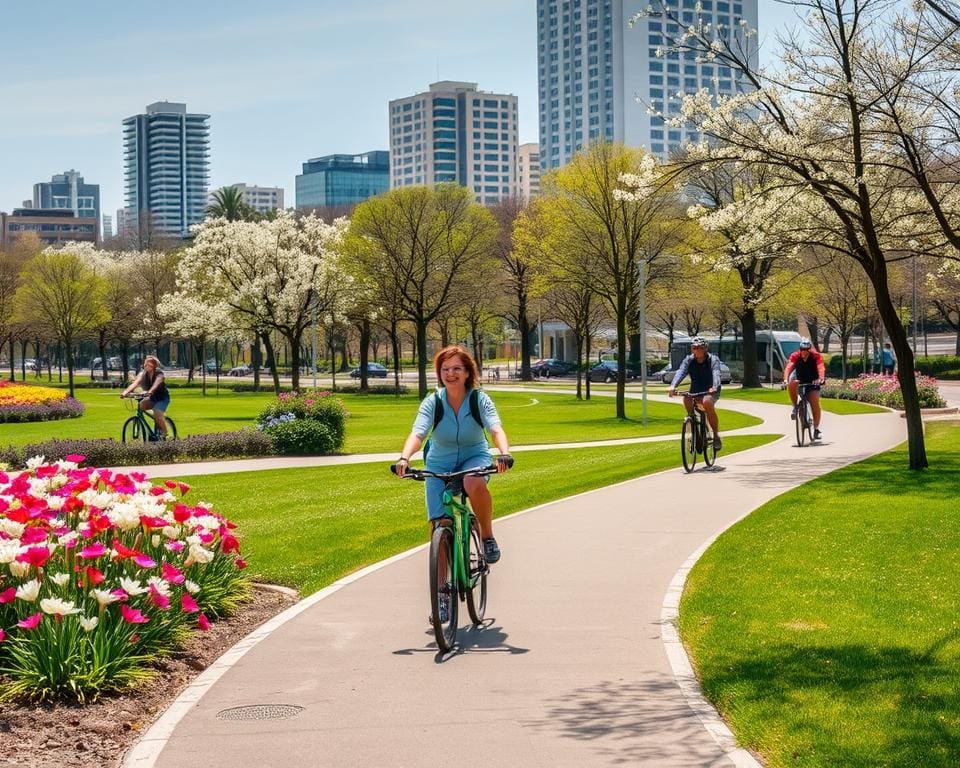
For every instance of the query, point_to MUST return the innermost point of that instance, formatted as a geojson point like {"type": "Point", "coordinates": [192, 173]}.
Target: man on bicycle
{"type": "Point", "coordinates": [157, 399]}
{"type": "Point", "coordinates": [704, 370]}
{"type": "Point", "coordinates": [805, 366]}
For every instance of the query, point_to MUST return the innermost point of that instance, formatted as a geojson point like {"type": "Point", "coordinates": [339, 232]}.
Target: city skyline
{"type": "Point", "coordinates": [282, 84]}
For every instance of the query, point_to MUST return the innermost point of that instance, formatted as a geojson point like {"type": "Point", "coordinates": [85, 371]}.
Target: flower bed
{"type": "Point", "coordinates": [26, 402]}
{"type": "Point", "coordinates": [105, 452]}
{"type": "Point", "coordinates": [304, 423]}
{"type": "Point", "coordinates": [883, 390]}
{"type": "Point", "coordinates": [100, 574]}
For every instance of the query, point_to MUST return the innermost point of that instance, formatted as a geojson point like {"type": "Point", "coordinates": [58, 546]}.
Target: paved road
{"type": "Point", "coordinates": [571, 670]}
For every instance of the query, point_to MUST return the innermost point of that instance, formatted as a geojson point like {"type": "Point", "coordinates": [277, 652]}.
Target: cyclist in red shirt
{"type": "Point", "coordinates": [805, 366]}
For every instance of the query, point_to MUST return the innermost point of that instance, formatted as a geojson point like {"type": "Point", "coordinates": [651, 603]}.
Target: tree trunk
{"type": "Point", "coordinates": [587, 349]}
{"type": "Point", "coordinates": [579, 337]}
{"type": "Point", "coordinates": [271, 361]}
{"type": "Point", "coordinates": [621, 359]}
{"type": "Point", "coordinates": [364, 353]}
{"type": "Point", "coordinates": [523, 326]}
{"type": "Point", "coordinates": [751, 374]}
{"type": "Point", "coordinates": [68, 342]}
{"type": "Point", "coordinates": [293, 341]}
{"type": "Point", "coordinates": [905, 368]}
{"type": "Point", "coordinates": [844, 341]}
{"type": "Point", "coordinates": [395, 345]}
{"type": "Point", "coordinates": [421, 357]}
{"type": "Point", "coordinates": [256, 358]}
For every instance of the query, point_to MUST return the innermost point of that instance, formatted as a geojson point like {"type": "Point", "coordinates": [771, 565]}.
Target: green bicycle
{"type": "Point", "coordinates": [138, 429]}
{"type": "Point", "coordinates": [457, 565]}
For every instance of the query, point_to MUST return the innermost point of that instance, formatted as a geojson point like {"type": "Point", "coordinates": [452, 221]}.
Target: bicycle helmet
{"type": "Point", "coordinates": [805, 343]}
{"type": "Point", "coordinates": [698, 341]}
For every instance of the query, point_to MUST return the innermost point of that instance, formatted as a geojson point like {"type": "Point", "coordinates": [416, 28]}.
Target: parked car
{"type": "Point", "coordinates": [667, 374]}
{"type": "Point", "coordinates": [551, 366]}
{"type": "Point", "coordinates": [240, 370]}
{"type": "Point", "coordinates": [606, 370]}
{"type": "Point", "coordinates": [374, 371]}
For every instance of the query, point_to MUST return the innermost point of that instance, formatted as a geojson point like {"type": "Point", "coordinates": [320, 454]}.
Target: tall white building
{"type": "Point", "coordinates": [107, 225]}
{"type": "Point", "coordinates": [528, 171]}
{"type": "Point", "coordinates": [166, 167]}
{"type": "Point", "coordinates": [261, 199]}
{"type": "Point", "coordinates": [599, 77]}
{"type": "Point", "coordinates": [455, 133]}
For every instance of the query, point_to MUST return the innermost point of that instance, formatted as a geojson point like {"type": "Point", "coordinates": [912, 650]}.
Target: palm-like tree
{"type": "Point", "coordinates": [228, 204]}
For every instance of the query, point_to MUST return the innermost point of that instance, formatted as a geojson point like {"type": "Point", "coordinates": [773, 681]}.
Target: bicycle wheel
{"type": "Point", "coordinates": [133, 431]}
{"type": "Point", "coordinates": [810, 427]}
{"type": "Point", "coordinates": [801, 422]}
{"type": "Point", "coordinates": [709, 449]}
{"type": "Point", "coordinates": [688, 443]}
{"type": "Point", "coordinates": [171, 429]}
{"type": "Point", "coordinates": [476, 569]}
{"type": "Point", "coordinates": [441, 583]}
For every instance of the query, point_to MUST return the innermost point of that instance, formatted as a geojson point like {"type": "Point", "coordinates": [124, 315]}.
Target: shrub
{"type": "Point", "coordinates": [284, 421]}
{"type": "Point", "coordinates": [941, 367]}
{"type": "Point", "coordinates": [113, 453]}
{"type": "Point", "coordinates": [301, 437]}
{"type": "Point", "coordinates": [883, 390]}
{"type": "Point", "coordinates": [375, 389]}
{"type": "Point", "coordinates": [101, 573]}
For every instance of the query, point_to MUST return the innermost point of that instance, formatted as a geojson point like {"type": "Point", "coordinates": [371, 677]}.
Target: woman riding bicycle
{"type": "Point", "coordinates": [458, 440]}
{"type": "Point", "coordinates": [157, 399]}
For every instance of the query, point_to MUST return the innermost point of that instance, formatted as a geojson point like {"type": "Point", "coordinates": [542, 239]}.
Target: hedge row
{"type": "Point", "coordinates": [68, 408]}
{"type": "Point", "coordinates": [941, 367]}
{"type": "Point", "coordinates": [112, 453]}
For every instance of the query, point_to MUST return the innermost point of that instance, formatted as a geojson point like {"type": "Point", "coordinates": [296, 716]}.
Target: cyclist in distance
{"type": "Point", "coordinates": [805, 366]}
{"type": "Point", "coordinates": [457, 413]}
{"type": "Point", "coordinates": [704, 371]}
{"type": "Point", "coordinates": [151, 381]}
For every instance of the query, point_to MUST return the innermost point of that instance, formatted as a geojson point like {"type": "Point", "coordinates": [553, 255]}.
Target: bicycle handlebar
{"type": "Point", "coordinates": [423, 474]}
{"type": "Point", "coordinates": [694, 394]}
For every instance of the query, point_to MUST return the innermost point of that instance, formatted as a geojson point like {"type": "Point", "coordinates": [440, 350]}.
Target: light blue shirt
{"type": "Point", "coordinates": [458, 435]}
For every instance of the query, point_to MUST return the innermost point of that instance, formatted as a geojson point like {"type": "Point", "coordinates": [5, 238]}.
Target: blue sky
{"type": "Point", "coordinates": [283, 81]}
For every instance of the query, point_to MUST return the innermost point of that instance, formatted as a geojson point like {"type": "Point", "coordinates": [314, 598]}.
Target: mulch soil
{"type": "Point", "coordinates": [98, 735]}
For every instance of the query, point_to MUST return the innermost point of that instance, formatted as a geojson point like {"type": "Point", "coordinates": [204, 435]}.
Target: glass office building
{"type": "Point", "coordinates": [599, 78]}
{"type": "Point", "coordinates": [455, 133]}
{"type": "Point", "coordinates": [343, 180]}
{"type": "Point", "coordinates": [68, 191]}
{"type": "Point", "coordinates": [166, 167]}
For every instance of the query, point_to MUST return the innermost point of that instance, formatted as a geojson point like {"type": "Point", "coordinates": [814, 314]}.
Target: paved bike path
{"type": "Point", "coordinates": [571, 670]}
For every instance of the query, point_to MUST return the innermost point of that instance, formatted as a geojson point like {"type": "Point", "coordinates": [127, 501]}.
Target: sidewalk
{"type": "Point", "coordinates": [571, 671]}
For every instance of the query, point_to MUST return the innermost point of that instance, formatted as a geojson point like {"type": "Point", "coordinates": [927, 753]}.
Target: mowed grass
{"type": "Point", "coordinates": [377, 422]}
{"type": "Point", "coordinates": [308, 527]}
{"type": "Point", "coordinates": [830, 405]}
{"type": "Point", "coordinates": [826, 625]}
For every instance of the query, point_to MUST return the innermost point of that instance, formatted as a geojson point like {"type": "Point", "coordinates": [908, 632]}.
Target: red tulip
{"type": "Point", "coordinates": [203, 623]}
{"type": "Point", "coordinates": [132, 615]}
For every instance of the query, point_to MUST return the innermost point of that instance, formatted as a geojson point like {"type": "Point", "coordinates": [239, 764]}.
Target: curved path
{"type": "Point", "coordinates": [571, 671]}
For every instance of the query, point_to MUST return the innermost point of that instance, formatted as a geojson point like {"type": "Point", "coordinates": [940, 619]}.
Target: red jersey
{"type": "Point", "coordinates": [809, 370]}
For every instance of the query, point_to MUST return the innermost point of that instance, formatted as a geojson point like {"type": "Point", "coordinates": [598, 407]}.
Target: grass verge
{"type": "Point", "coordinates": [377, 422]}
{"type": "Point", "coordinates": [766, 395]}
{"type": "Point", "coordinates": [826, 625]}
{"type": "Point", "coordinates": [308, 527]}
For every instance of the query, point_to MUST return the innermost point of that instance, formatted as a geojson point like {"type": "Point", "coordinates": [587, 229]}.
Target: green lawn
{"type": "Point", "coordinates": [377, 422]}
{"type": "Point", "coordinates": [841, 407]}
{"type": "Point", "coordinates": [308, 527]}
{"type": "Point", "coordinates": [826, 625]}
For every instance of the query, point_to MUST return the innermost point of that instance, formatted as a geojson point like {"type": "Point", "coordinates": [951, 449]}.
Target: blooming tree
{"type": "Point", "coordinates": [839, 128]}
{"type": "Point", "coordinates": [271, 275]}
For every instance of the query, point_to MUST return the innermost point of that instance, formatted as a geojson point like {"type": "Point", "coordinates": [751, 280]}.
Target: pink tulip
{"type": "Point", "coordinates": [2, 634]}
{"type": "Point", "coordinates": [35, 556]}
{"type": "Point", "coordinates": [171, 574]}
{"type": "Point", "coordinates": [188, 604]}
{"type": "Point", "coordinates": [33, 535]}
{"type": "Point", "coordinates": [159, 599]}
{"type": "Point", "coordinates": [76, 458]}
{"type": "Point", "coordinates": [8, 595]}
{"type": "Point", "coordinates": [144, 562]}
{"type": "Point", "coordinates": [203, 623]}
{"type": "Point", "coordinates": [30, 622]}
{"type": "Point", "coordinates": [132, 615]}
{"type": "Point", "coordinates": [93, 550]}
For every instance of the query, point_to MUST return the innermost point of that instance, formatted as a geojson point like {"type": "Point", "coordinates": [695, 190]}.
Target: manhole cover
{"type": "Point", "coordinates": [260, 712]}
